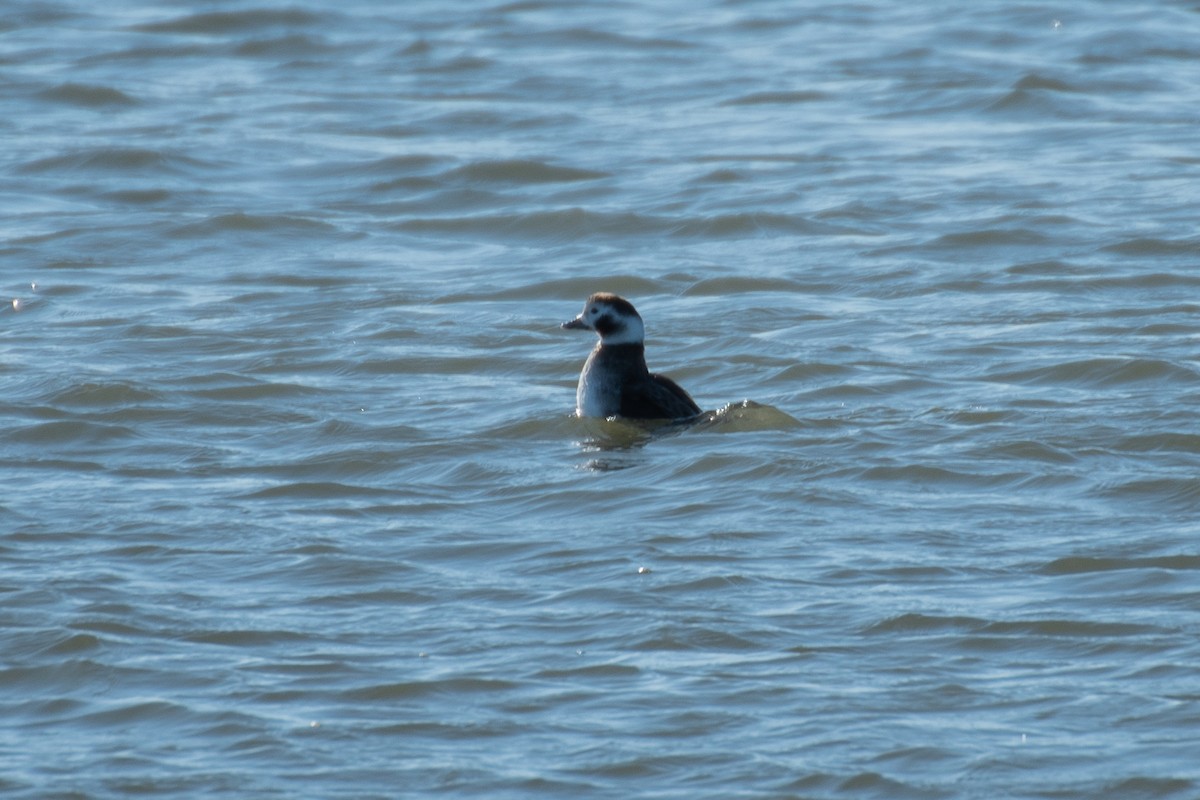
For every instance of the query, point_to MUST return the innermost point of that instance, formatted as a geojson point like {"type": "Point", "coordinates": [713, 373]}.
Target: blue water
{"type": "Point", "coordinates": [293, 503]}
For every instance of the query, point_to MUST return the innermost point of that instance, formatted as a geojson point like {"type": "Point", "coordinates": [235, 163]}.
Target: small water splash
{"type": "Point", "coordinates": [747, 416]}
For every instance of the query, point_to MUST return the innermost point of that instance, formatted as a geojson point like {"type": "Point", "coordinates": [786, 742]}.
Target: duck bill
{"type": "Point", "coordinates": [576, 324]}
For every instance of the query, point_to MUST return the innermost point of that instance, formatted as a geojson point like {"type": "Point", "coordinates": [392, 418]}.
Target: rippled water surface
{"type": "Point", "coordinates": [293, 503]}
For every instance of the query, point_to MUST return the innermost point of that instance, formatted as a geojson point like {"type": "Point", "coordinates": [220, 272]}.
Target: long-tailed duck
{"type": "Point", "coordinates": [615, 380]}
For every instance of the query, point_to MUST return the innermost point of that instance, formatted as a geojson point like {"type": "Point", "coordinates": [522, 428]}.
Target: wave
{"type": "Point", "coordinates": [1077, 565]}
{"type": "Point", "coordinates": [125, 160]}
{"type": "Point", "coordinates": [225, 22]}
{"type": "Point", "coordinates": [251, 223]}
{"type": "Point", "coordinates": [1105, 371]}
{"type": "Point", "coordinates": [776, 98]}
{"type": "Point", "coordinates": [1151, 246]}
{"type": "Point", "coordinates": [87, 95]}
{"type": "Point", "coordinates": [523, 171]}
{"type": "Point", "coordinates": [577, 223]}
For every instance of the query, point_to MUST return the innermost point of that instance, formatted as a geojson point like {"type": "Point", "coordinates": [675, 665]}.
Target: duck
{"type": "Point", "coordinates": [615, 381]}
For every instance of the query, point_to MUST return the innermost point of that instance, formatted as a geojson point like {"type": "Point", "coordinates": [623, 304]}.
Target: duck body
{"type": "Point", "coordinates": [616, 383]}
{"type": "Point", "coordinates": [615, 380]}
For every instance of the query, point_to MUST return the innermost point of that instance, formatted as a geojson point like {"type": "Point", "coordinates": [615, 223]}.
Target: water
{"type": "Point", "coordinates": [293, 504]}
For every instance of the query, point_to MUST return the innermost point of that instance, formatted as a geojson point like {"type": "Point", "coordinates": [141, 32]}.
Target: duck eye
{"type": "Point", "coordinates": [594, 310]}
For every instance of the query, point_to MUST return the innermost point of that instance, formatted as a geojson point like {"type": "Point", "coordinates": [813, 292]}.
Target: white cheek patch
{"type": "Point", "coordinates": [626, 331]}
